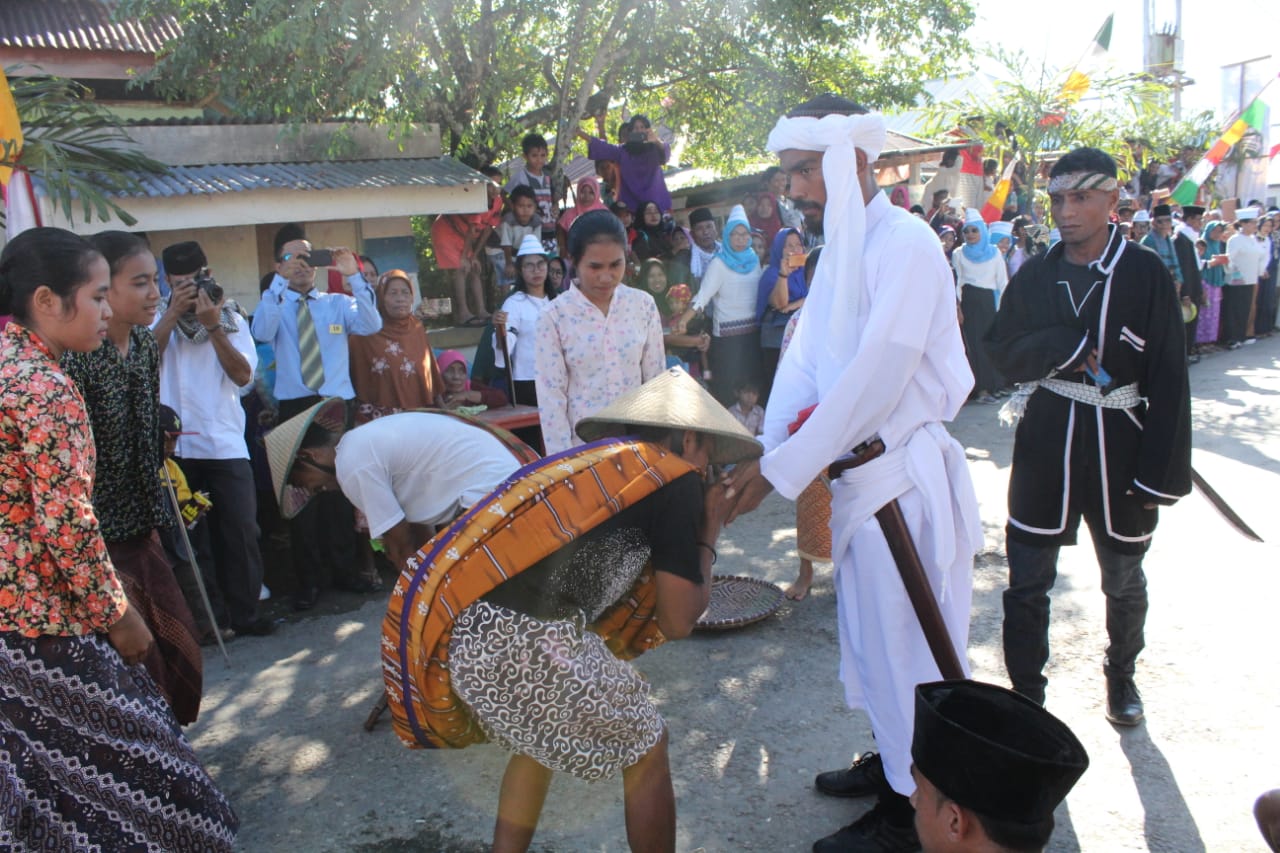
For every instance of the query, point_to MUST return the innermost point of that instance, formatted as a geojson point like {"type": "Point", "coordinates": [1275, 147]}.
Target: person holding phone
{"type": "Point", "coordinates": [640, 156]}
{"type": "Point", "coordinates": [308, 330]}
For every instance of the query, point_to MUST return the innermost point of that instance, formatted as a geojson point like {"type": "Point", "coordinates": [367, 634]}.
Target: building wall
{"type": "Point", "coordinates": [240, 255]}
{"type": "Point", "coordinates": [233, 257]}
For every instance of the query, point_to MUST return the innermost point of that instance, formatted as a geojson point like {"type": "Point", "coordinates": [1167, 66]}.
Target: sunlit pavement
{"type": "Point", "coordinates": [755, 713]}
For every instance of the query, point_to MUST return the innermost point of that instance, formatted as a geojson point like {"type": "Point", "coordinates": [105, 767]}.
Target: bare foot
{"type": "Point", "coordinates": [798, 590]}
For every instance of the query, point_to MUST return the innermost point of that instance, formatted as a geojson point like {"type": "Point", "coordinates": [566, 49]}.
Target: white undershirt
{"type": "Point", "coordinates": [420, 467]}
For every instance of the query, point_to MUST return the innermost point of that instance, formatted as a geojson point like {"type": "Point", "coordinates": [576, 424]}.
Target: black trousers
{"type": "Point", "coordinates": [226, 540]}
{"type": "Point", "coordinates": [527, 395]}
{"type": "Point", "coordinates": [322, 538]}
{"type": "Point", "coordinates": [1236, 302]}
{"type": "Point", "coordinates": [734, 359]}
{"type": "Point", "coordinates": [1032, 572]}
{"type": "Point", "coordinates": [1265, 319]}
{"type": "Point", "coordinates": [978, 304]}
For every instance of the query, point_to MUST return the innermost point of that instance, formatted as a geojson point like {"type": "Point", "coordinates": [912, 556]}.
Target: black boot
{"type": "Point", "coordinates": [1124, 702]}
{"type": "Point", "coordinates": [888, 828]}
{"type": "Point", "coordinates": [863, 778]}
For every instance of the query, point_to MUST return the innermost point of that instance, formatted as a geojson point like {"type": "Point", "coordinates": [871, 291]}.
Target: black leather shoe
{"type": "Point", "coordinates": [871, 833]}
{"type": "Point", "coordinates": [359, 585]}
{"type": "Point", "coordinates": [306, 598]}
{"type": "Point", "coordinates": [1124, 703]}
{"type": "Point", "coordinates": [863, 778]}
{"type": "Point", "coordinates": [260, 627]}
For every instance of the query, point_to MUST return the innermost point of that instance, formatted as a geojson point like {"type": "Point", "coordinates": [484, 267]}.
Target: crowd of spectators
{"type": "Point", "coordinates": [566, 327]}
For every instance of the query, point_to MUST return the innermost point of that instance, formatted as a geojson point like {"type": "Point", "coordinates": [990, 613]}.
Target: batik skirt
{"type": "Point", "coordinates": [551, 690]}
{"type": "Point", "coordinates": [91, 757]}
{"type": "Point", "coordinates": [1210, 315]}
{"type": "Point", "coordinates": [175, 661]}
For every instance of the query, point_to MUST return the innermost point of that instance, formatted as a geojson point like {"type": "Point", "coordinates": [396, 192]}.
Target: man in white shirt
{"type": "Point", "coordinates": [408, 473]}
{"type": "Point", "coordinates": [207, 360]}
{"type": "Point", "coordinates": [702, 224]}
{"type": "Point", "coordinates": [877, 355]}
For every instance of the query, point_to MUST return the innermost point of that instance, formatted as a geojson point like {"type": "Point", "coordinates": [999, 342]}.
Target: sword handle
{"type": "Point", "coordinates": [907, 559]}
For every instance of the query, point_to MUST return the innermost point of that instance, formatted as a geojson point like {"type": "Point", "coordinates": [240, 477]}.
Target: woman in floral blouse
{"type": "Point", "coordinates": [120, 384]}
{"type": "Point", "coordinates": [597, 341]}
{"type": "Point", "coordinates": [89, 749]}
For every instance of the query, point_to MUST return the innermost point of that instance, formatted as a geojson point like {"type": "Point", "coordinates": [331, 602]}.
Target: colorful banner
{"type": "Point", "coordinates": [994, 208]}
{"type": "Point", "coordinates": [10, 129]}
{"type": "Point", "coordinates": [1254, 117]}
{"type": "Point", "coordinates": [1078, 81]}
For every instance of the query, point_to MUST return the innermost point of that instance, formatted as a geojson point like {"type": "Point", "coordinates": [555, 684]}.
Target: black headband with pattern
{"type": "Point", "coordinates": [1082, 181]}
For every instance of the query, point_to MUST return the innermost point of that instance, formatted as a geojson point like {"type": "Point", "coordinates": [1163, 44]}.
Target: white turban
{"type": "Point", "coordinates": [837, 282]}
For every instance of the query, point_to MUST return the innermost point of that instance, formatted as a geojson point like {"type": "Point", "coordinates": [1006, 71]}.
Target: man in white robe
{"type": "Point", "coordinates": [878, 350]}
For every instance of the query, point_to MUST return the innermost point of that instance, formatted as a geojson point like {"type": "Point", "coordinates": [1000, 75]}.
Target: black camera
{"type": "Point", "coordinates": [209, 285]}
{"type": "Point", "coordinates": [638, 137]}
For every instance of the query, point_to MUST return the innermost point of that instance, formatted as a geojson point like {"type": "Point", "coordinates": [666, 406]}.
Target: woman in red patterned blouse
{"type": "Point", "coordinates": [76, 713]}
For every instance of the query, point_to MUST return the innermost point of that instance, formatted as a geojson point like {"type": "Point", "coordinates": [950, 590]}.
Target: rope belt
{"type": "Point", "coordinates": [1125, 397]}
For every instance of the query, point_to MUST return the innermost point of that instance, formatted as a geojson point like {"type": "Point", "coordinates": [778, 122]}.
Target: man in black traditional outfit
{"type": "Point", "coordinates": [1094, 328]}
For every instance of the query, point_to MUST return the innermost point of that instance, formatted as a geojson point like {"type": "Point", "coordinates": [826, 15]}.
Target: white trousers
{"type": "Point", "coordinates": [883, 652]}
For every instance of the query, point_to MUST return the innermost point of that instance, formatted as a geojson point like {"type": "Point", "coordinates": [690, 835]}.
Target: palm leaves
{"type": "Point", "coordinates": [75, 148]}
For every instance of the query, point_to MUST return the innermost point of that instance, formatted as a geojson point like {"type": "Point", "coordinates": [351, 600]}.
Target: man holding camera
{"type": "Point", "coordinates": [207, 359]}
{"type": "Point", "coordinates": [308, 330]}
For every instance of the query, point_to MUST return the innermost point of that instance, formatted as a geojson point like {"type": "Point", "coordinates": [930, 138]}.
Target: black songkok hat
{"type": "Point", "coordinates": [1192, 210]}
{"type": "Point", "coordinates": [994, 751]}
{"type": "Point", "coordinates": [1161, 210]}
{"type": "Point", "coordinates": [184, 258]}
{"type": "Point", "coordinates": [701, 214]}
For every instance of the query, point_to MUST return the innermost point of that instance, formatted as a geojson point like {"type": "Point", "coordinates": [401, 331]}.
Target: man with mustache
{"type": "Point", "coordinates": [877, 365]}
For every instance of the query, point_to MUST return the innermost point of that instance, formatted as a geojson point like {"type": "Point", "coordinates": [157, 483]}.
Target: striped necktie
{"type": "Point", "coordinates": [309, 361]}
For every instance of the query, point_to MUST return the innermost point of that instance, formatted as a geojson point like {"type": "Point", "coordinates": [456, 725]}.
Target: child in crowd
{"type": "Point", "coordinates": [523, 219]}
{"type": "Point", "coordinates": [458, 393]}
{"type": "Point", "coordinates": [690, 346]}
{"type": "Point", "coordinates": [458, 239]}
{"type": "Point", "coordinates": [195, 506]}
{"type": "Point", "coordinates": [534, 148]}
{"type": "Point", "coordinates": [747, 409]}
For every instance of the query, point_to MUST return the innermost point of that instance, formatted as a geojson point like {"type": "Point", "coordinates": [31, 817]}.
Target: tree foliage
{"type": "Point", "coordinates": [76, 148]}
{"type": "Point", "coordinates": [1126, 115]}
{"type": "Point", "coordinates": [488, 70]}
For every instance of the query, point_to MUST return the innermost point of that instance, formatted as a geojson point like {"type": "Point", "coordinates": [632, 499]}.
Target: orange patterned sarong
{"type": "Point", "coordinates": [538, 510]}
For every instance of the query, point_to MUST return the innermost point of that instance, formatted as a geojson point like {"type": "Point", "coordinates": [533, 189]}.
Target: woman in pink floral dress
{"type": "Point", "coordinates": [597, 341]}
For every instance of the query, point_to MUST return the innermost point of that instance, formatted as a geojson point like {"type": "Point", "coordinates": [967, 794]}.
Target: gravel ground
{"type": "Point", "coordinates": [754, 713]}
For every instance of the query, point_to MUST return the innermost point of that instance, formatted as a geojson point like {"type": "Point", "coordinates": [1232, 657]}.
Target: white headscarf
{"type": "Point", "coordinates": [837, 282]}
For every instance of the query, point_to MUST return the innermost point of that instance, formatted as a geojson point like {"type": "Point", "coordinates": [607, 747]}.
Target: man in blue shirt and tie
{"type": "Point", "coordinates": [308, 330]}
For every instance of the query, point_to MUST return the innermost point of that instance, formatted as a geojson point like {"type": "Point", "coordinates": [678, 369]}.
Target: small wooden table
{"type": "Point", "coordinates": [510, 417]}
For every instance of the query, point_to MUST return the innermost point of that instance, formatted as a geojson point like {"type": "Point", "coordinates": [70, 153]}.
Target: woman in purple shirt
{"type": "Point", "coordinates": [640, 158]}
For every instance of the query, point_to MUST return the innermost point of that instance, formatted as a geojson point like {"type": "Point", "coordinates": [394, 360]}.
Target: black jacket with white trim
{"type": "Point", "coordinates": [1072, 458]}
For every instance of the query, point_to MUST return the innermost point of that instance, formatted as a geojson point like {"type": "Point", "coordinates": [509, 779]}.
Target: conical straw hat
{"type": "Point", "coordinates": [675, 399]}
{"type": "Point", "coordinates": [282, 449]}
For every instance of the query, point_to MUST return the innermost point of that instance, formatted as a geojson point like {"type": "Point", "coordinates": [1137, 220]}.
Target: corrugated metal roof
{"type": "Point", "coordinates": [363, 174]}
{"type": "Point", "coordinates": [80, 25]}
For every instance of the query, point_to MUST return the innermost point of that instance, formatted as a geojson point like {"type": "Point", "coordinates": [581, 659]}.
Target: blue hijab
{"type": "Point", "coordinates": [981, 251]}
{"type": "Point", "coordinates": [1213, 276]}
{"type": "Point", "coordinates": [796, 288]}
{"type": "Point", "coordinates": [740, 262]}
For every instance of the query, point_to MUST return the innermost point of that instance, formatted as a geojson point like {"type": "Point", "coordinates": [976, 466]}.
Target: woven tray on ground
{"type": "Point", "coordinates": [737, 601]}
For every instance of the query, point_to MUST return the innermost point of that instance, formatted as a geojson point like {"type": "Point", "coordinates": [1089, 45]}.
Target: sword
{"type": "Point", "coordinates": [1224, 509]}
{"type": "Point", "coordinates": [500, 332]}
{"type": "Point", "coordinates": [910, 568]}
{"type": "Point", "coordinates": [191, 560]}
{"type": "Point", "coordinates": [907, 559]}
